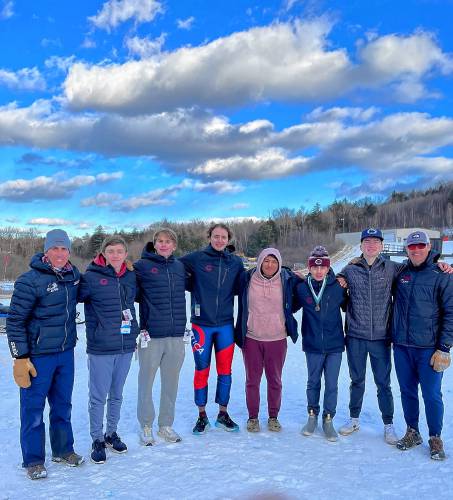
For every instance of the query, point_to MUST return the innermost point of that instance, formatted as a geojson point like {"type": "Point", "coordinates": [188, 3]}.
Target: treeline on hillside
{"type": "Point", "coordinates": [293, 232]}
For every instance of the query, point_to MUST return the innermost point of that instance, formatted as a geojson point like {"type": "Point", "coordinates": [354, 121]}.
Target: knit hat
{"type": "Point", "coordinates": [319, 257]}
{"type": "Point", "coordinates": [57, 238]}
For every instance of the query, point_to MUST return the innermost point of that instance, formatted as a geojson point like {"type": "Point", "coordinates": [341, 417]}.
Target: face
{"type": "Point", "coordinates": [319, 272]}
{"type": "Point", "coordinates": [164, 245]}
{"type": "Point", "coordinates": [371, 247]}
{"type": "Point", "coordinates": [417, 253]}
{"type": "Point", "coordinates": [269, 266]}
{"type": "Point", "coordinates": [219, 238]}
{"type": "Point", "coordinates": [58, 256]}
{"type": "Point", "coordinates": [115, 255]}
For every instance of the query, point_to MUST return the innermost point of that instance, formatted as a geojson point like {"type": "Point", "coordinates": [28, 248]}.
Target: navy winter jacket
{"type": "Point", "coordinates": [41, 318]}
{"type": "Point", "coordinates": [161, 292]}
{"type": "Point", "coordinates": [214, 279]}
{"type": "Point", "coordinates": [289, 282]}
{"type": "Point", "coordinates": [423, 308]}
{"type": "Point", "coordinates": [106, 296]}
{"type": "Point", "coordinates": [370, 298]}
{"type": "Point", "coordinates": [322, 331]}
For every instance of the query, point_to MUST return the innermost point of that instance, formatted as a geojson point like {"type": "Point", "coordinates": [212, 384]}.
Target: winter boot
{"type": "Point", "coordinates": [167, 433]}
{"type": "Point", "coordinates": [273, 424]}
{"type": "Point", "coordinates": [114, 443]}
{"type": "Point", "coordinates": [36, 471]}
{"type": "Point", "coordinates": [436, 448]}
{"type": "Point", "coordinates": [224, 422]}
{"type": "Point", "coordinates": [253, 425]}
{"type": "Point", "coordinates": [98, 455]}
{"type": "Point", "coordinates": [72, 459]}
{"type": "Point", "coordinates": [309, 428]}
{"type": "Point", "coordinates": [202, 425]}
{"type": "Point", "coordinates": [389, 434]}
{"type": "Point", "coordinates": [146, 436]}
{"type": "Point", "coordinates": [350, 426]}
{"type": "Point", "coordinates": [411, 439]}
{"type": "Point", "coordinates": [328, 428]}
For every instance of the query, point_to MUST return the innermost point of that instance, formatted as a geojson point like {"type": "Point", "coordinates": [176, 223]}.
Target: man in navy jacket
{"type": "Point", "coordinates": [42, 335]}
{"type": "Point", "coordinates": [422, 334]}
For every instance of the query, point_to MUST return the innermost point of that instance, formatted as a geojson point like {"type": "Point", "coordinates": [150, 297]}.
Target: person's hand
{"type": "Point", "coordinates": [21, 372]}
{"type": "Point", "coordinates": [342, 282]}
{"type": "Point", "coordinates": [440, 361]}
{"type": "Point", "coordinates": [445, 267]}
{"type": "Point", "coordinates": [300, 274]}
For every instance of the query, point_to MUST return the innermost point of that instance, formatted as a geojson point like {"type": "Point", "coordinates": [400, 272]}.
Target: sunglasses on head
{"type": "Point", "coordinates": [418, 246]}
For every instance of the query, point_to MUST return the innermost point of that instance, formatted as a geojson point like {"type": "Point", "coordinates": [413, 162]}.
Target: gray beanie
{"type": "Point", "coordinates": [57, 238]}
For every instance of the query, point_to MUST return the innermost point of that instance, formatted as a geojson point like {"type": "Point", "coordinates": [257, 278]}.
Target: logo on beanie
{"type": "Point", "coordinates": [103, 281]}
{"type": "Point", "coordinates": [208, 268]}
{"type": "Point", "coordinates": [52, 287]}
{"type": "Point", "coordinates": [318, 262]}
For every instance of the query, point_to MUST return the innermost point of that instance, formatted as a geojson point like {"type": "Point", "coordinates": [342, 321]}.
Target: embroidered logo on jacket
{"type": "Point", "coordinates": [405, 279]}
{"type": "Point", "coordinates": [308, 300]}
{"type": "Point", "coordinates": [103, 281]}
{"type": "Point", "coordinates": [52, 287]}
{"type": "Point", "coordinates": [208, 267]}
{"type": "Point", "coordinates": [154, 270]}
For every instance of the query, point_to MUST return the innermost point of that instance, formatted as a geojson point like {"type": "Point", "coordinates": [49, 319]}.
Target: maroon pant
{"type": "Point", "coordinates": [270, 356]}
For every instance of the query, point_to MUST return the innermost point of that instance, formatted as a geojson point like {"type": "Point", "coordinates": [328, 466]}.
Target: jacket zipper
{"type": "Point", "coordinates": [121, 312]}
{"type": "Point", "coordinates": [67, 317]}
{"type": "Point", "coordinates": [371, 303]}
{"type": "Point", "coordinates": [171, 298]}
{"type": "Point", "coordinates": [218, 290]}
{"type": "Point", "coordinates": [407, 308]}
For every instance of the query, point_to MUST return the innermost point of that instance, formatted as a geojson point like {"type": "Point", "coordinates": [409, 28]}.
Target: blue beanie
{"type": "Point", "coordinates": [57, 238]}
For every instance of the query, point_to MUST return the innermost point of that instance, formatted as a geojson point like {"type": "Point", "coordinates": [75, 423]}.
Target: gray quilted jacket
{"type": "Point", "coordinates": [370, 292]}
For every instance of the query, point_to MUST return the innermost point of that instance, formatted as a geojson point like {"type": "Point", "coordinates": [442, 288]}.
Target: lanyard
{"type": "Point", "coordinates": [318, 296]}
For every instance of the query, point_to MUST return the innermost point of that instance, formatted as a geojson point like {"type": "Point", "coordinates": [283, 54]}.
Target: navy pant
{"type": "Point", "coordinates": [413, 368]}
{"type": "Point", "coordinates": [317, 364]}
{"type": "Point", "coordinates": [54, 381]}
{"type": "Point", "coordinates": [381, 365]}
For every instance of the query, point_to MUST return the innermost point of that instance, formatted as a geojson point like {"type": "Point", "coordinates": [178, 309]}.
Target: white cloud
{"type": "Point", "coordinates": [22, 79]}
{"type": "Point", "coordinates": [45, 221]}
{"type": "Point", "coordinates": [289, 62]}
{"type": "Point", "coordinates": [341, 113]}
{"type": "Point", "coordinates": [185, 24]}
{"type": "Point", "coordinates": [145, 47]}
{"type": "Point", "coordinates": [101, 200]}
{"type": "Point", "coordinates": [60, 63]}
{"type": "Point", "coordinates": [221, 187]}
{"type": "Point", "coordinates": [7, 10]}
{"type": "Point", "coordinates": [110, 176]}
{"type": "Point", "coordinates": [88, 43]}
{"type": "Point", "coordinates": [115, 12]}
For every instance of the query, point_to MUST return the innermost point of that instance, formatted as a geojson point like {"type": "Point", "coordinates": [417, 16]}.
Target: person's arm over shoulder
{"type": "Point", "coordinates": [189, 261]}
{"type": "Point", "coordinates": [239, 276]}
{"type": "Point", "coordinates": [83, 292]}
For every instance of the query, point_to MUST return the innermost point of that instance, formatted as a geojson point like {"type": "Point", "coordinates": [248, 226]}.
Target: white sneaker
{"type": "Point", "coordinates": [167, 433]}
{"type": "Point", "coordinates": [390, 435]}
{"type": "Point", "coordinates": [146, 436]}
{"type": "Point", "coordinates": [349, 427]}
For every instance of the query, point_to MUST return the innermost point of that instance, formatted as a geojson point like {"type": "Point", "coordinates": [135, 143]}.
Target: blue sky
{"type": "Point", "coordinates": [123, 112]}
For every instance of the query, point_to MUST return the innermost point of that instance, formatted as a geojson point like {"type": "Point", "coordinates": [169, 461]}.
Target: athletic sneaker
{"type": "Point", "coordinates": [114, 443]}
{"type": "Point", "coordinates": [349, 427]}
{"type": "Point", "coordinates": [273, 424]}
{"type": "Point", "coordinates": [309, 428]}
{"type": "Point", "coordinates": [72, 459]}
{"type": "Point", "coordinates": [36, 471]}
{"type": "Point", "coordinates": [436, 448]}
{"type": "Point", "coordinates": [224, 422]}
{"type": "Point", "coordinates": [98, 455]}
{"type": "Point", "coordinates": [411, 439]}
{"type": "Point", "coordinates": [146, 436]}
{"type": "Point", "coordinates": [328, 428]}
{"type": "Point", "coordinates": [390, 435]}
{"type": "Point", "coordinates": [253, 425]}
{"type": "Point", "coordinates": [201, 426]}
{"type": "Point", "coordinates": [167, 433]}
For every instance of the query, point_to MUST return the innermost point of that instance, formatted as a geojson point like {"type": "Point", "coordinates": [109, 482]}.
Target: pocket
{"type": "Point", "coordinates": [50, 337]}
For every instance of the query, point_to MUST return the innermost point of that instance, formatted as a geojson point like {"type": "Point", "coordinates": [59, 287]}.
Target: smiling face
{"type": "Point", "coordinates": [269, 266]}
{"type": "Point", "coordinates": [219, 238]}
{"type": "Point", "coordinates": [164, 245]}
{"type": "Point", "coordinates": [319, 272]}
{"type": "Point", "coordinates": [115, 255]}
{"type": "Point", "coordinates": [418, 253]}
{"type": "Point", "coordinates": [58, 256]}
{"type": "Point", "coordinates": [371, 247]}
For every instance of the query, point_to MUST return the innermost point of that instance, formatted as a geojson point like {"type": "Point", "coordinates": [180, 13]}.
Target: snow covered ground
{"type": "Point", "coordinates": [233, 466]}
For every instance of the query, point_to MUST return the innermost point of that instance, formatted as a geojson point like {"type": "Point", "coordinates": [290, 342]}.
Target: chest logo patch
{"type": "Point", "coordinates": [405, 279]}
{"type": "Point", "coordinates": [309, 300]}
{"type": "Point", "coordinates": [52, 287]}
{"type": "Point", "coordinates": [103, 281]}
{"type": "Point", "coordinates": [154, 270]}
{"type": "Point", "coordinates": [208, 267]}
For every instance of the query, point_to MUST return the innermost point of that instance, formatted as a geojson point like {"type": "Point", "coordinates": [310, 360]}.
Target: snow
{"type": "Point", "coordinates": [239, 465]}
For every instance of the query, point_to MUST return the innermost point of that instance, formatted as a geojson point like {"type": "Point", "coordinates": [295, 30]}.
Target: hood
{"type": "Point", "coordinates": [263, 255]}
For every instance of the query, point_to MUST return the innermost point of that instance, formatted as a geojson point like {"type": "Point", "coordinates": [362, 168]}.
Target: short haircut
{"type": "Point", "coordinates": [113, 240]}
{"type": "Point", "coordinates": [221, 225]}
{"type": "Point", "coordinates": [167, 231]}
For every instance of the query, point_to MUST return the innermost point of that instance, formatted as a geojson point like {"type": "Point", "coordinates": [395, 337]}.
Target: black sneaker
{"type": "Point", "coordinates": [98, 452]}
{"type": "Point", "coordinates": [114, 443]}
{"type": "Point", "coordinates": [411, 439]}
{"type": "Point", "coordinates": [436, 448]}
{"type": "Point", "coordinates": [201, 426]}
{"type": "Point", "coordinates": [224, 422]}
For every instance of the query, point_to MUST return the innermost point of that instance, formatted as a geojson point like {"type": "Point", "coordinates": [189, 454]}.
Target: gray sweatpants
{"type": "Point", "coordinates": [107, 375]}
{"type": "Point", "coordinates": [167, 354]}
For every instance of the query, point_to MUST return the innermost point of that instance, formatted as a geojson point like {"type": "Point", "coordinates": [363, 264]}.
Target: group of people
{"type": "Point", "coordinates": [409, 304]}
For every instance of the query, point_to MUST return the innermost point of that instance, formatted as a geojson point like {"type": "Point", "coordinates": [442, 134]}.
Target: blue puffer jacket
{"type": "Point", "coordinates": [322, 331]}
{"type": "Point", "coordinates": [105, 296]}
{"type": "Point", "coordinates": [214, 279]}
{"type": "Point", "coordinates": [162, 299]}
{"type": "Point", "coordinates": [423, 308]}
{"type": "Point", "coordinates": [289, 282]}
{"type": "Point", "coordinates": [41, 318]}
